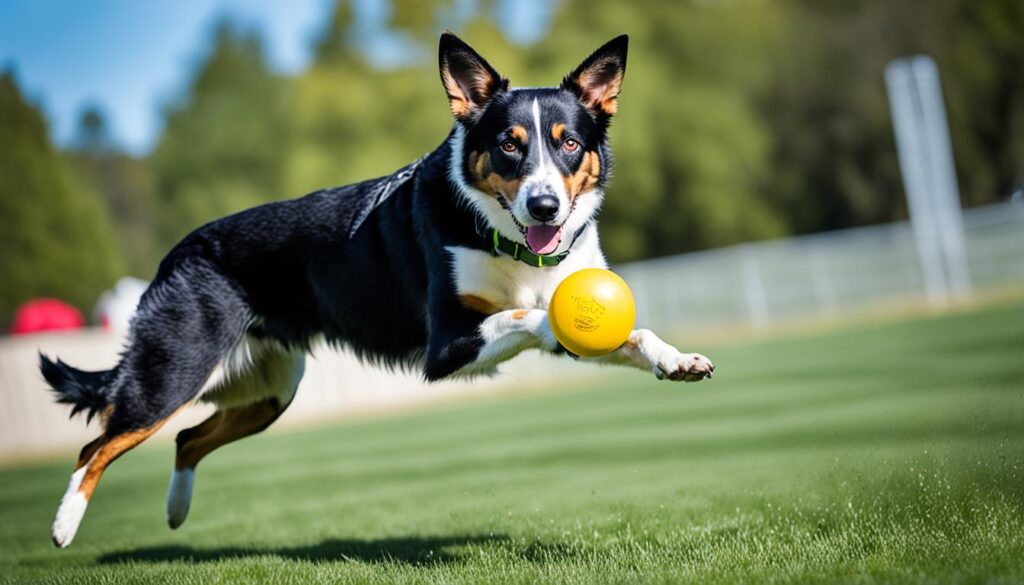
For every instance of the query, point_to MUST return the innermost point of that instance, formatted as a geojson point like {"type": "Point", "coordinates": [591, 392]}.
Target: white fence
{"type": "Point", "coordinates": [335, 384]}
{"type": "Point", "coordinates": [830, 273]}
{"type": "Point", "coordinates": [760, 284]}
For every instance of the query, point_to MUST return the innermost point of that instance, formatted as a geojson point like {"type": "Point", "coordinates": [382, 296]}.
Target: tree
{"type": "Point", "coordinates": [57, 239]}
{"type": "Point", "coordinates": [125, 186]}
{"type": "Point", "coordinates": [834, 158]}
{"type": "Point", "coordinates": [691, 151]}
{"type": "Point", "coordinates": [983, 59]}
{"type": "Point", "coordinates": [739, 120]}
{"type": "Point", "coordinates": [353, 121]}
{"type": "Point", "coordinates": [225, 142]}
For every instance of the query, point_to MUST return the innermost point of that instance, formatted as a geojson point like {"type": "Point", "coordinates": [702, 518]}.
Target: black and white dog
{"type": "Point", "coordinates": [448, 265]}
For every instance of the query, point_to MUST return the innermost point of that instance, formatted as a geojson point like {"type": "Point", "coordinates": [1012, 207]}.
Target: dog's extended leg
{"type": "Point", "coordinates": [223, 427]}
{"type": "Point", "coordinates": [93, 461]}
{"type": "Point", "coordinates": [645, 350]}
{"type": "Point", "coordinates": [187, 322]}
{"type": "Point", "coordinates": [508, 333]}
{"type": "Point", "coordinates": [275, 376]}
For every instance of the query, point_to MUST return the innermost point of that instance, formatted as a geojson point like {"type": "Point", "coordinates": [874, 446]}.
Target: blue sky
{"type": "Point", "coordinates": [131, 56]}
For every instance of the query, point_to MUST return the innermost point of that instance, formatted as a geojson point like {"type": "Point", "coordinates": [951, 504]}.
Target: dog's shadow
{"type": "Point", "coordinates": [409, 550]}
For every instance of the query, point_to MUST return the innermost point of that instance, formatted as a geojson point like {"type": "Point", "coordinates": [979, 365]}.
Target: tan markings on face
{"type": "Point", "coordinates": [518, 314]}
{"type": "Point", "coordinates": [479, 165]}
{"type": "Point", "coordinates": [557, 131]}
{"type": "Point", "coordinates": [485, 179]}
{"type": "Point", "coordinates": [586, 177]}
{"type": "Point", "coordinates": [519, 133]}
{"type": "Point", "coordinates": [478, 304]}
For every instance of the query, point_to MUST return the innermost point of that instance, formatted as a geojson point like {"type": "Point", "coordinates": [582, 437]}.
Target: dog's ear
{"type": "Point", "coordinates": [468, 78]}
{"type": "Point", "coordinates": [598, 80]}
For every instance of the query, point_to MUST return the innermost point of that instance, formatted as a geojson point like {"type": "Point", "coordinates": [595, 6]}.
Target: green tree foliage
{"type": "Point", "coordinates": [126, 187]}
{"type": "Point", "coordinates": [984, 54]}
{"type": "Point", "coordinates": [225, 143]}
{"type": "Point", "coordinates": [835, 161]}
{"type": "Point", "coordinates": [57, 238]}
{"type": "Point", "coordinates": [690, 154]}
{"type": "Point", "coordinates": [739, 120]}
{"type": "Point", "coordinates": [691, 151]}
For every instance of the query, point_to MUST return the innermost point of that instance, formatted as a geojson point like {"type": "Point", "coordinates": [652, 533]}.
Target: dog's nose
{"type": "Point", "coordinates": [542, 207]}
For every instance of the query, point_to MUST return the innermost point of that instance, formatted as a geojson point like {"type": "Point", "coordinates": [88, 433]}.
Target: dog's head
{"type": "Point", "coordinates": [533, 162]}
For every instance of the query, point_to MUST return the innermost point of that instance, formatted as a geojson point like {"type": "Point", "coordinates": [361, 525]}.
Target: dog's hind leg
{"type": "Point", "coordinates": [248, 402]}
{"type": "Point", "coordinates": [223, 427]}
{"type": "Point", "coordinates": [186, 323]}
{"type": "Point", "coordinates": [92, 462]}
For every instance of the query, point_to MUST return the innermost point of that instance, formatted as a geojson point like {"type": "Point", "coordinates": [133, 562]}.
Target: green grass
{"type": "Point", "coordinates": [889, 452]}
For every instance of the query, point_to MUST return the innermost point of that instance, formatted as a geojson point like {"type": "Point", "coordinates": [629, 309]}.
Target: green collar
{"type": "Point", "coordinates": [518, 252]}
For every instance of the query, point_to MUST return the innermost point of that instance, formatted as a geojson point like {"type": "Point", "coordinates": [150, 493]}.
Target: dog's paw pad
{"type": "Point", "coordinates": [686, 367]}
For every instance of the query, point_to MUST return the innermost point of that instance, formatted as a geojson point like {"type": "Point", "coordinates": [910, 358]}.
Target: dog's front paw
{"type": "Point", "coordinates": [688, 367]}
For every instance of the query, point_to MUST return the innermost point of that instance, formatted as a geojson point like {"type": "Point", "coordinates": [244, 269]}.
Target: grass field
{"type": "Point", "coordinates": [890, 452]}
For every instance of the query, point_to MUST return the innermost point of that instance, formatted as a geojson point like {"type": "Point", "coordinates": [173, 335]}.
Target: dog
{"type": "Point", "coordinates": [446, 266]}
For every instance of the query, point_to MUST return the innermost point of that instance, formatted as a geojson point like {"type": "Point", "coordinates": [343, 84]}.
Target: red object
{"type": "Point", "coordinates": [46, 315]}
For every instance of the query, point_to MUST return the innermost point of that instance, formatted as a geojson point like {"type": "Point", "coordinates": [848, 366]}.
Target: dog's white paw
{"type": "Point", "coordinates": [179, 497]}
{"type": "Point", "coordinates": [70, 513]}
{"type": "Point", "coordinates": [688, 367]}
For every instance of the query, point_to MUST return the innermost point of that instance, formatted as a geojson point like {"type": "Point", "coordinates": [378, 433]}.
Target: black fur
{"type": "Point", "coordinates": [363, 265]}
{"type": "Point", "coordinates": [87, 391]}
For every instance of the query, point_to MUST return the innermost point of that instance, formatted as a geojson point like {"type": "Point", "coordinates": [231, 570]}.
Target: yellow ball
{"type": "Point", "coordinates": [592, 312]}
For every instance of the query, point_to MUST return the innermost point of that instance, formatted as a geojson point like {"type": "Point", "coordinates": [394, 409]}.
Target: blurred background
{"type": "Point", "coordinates": [757, 180]}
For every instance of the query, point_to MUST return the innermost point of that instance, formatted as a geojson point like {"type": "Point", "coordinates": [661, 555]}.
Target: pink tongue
{"type": "Point", "coordinates": [543, 239]}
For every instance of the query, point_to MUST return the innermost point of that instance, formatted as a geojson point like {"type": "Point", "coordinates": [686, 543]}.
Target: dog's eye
{"type": "Point", "coordinates": [509, 146]}
{"type": "Point", "coordinates": [570, 145]}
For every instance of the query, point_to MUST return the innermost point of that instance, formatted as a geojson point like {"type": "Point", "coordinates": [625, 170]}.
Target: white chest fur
{"type": "Point", "coordinates": [506, 283]}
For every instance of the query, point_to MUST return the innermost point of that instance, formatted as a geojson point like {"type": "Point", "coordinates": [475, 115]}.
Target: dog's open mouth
{"type": "Point", "coordinates": [540, 239]}
{"type": "Point", "coordinates": [543, 239]}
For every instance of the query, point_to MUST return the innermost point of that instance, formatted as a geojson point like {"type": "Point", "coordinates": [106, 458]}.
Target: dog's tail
{"type": "Point", "coordinates": [86, 391]}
